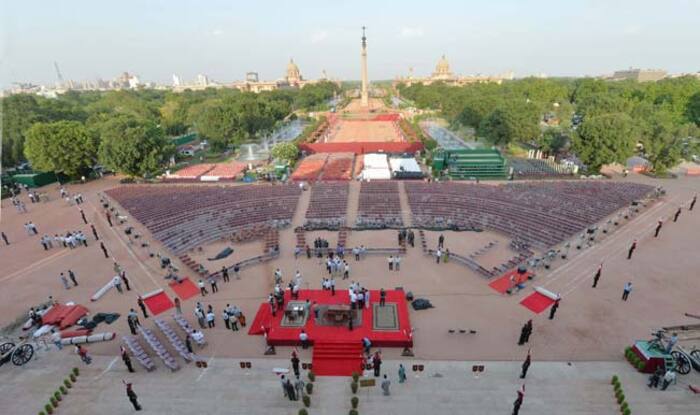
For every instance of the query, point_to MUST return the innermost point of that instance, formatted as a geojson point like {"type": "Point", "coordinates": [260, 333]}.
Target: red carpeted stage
{"type": "Point", "coordinates": [337, 350]}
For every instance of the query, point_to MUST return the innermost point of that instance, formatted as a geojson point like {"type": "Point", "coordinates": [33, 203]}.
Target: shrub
{"type": "Point", "coordinates": [354, 401]}
{"type": "Point", "coordinates": [624, 406]}
{"type": "Point", "coordinates": [72, 377]}
{"type": "Point", "coordinates": [353, 387]}
{"type": "Point", "coordinates": [76, 371]}
{"type": "Point", "coordinates": [42, 413]}
{"type": "Point", "coordinates": [303, 411]}
{"type": "Point", "coordinates": [67, 383]}
{"type": "Point", "coordinates": [626, 412]}
{"type": "Point", "coordinates": [353, 412]}
{"type": "Point", "coordinates": [48, 408]}
{"type": "Point", "coordinates": [615, 380]}
{"type": "Point", "coordinates": [309, 388]}
{"type": "Point", "coordinates": [620, 398]}
{"type": "Point", "coordinates": [355, 377]}
{"type": "Point", "coordinates": [63, 390]}
{"type": "Point", "coordinates": [54, 402]}
{"type": "Point", "coordinates": [641, 365]}
{"type": "Point", "coordinates": [57, 395]}
{"type": "Point", "coordinates": [312, 377]}
{"type": "Point", "coordinates": [307, 400]}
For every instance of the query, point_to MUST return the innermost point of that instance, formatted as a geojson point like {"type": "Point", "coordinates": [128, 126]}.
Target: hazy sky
{"type": "Point", "coordinates": [224, 39]}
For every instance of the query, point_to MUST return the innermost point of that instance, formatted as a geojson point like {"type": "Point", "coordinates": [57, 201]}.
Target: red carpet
{"type": "Point", "coordinates": [185, 289]}
{"type": "Point", "coordinates": [337, 358]}
{"type": "Point", "coordinates": [289, 336]}
{"type": "Point", "coordinates": [158, 303]}
{"type": "Point", "coordinates": [503, 283]}
{"type": "Point", "coordinates": [537, 302]}
{"type": "Point", "coordinates": [362, 147]}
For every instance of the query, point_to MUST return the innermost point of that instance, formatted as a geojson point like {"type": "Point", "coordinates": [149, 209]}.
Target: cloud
{"type": "Point", "coordinates": [319, 36]}
{"type": "Point", "coordinates": [411, 32]}
{"type": "Point", "coordinates": [216, 32]}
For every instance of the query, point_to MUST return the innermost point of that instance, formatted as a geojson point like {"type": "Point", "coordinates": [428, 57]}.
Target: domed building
{"type": "Point", "coordinates": [442, 70]}
{"type": "Point", "coordinates": [293, 74]}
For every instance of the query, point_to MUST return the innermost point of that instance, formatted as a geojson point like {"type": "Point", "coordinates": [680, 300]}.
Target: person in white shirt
{"type": "Point", "coordinates": [304, 339]}
{"type": "Point", "coordinates": [197, 336]}
{"type": "Point", "coordinates": [210, 319]}
{"type": "Point", "coordinates": [669, 377]}
{"type": "Point", "coordinates": [56, 339]}
{"type": "Point", "coordinates": [397, 263]}
{"type": "Point", "coordinates": [117, 283]}
{"type": "Point", "coordinates": [353, 299]}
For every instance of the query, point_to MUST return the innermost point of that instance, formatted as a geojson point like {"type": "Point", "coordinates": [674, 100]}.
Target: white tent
{"type": "Point", "coordinates": [376, 167]}
{"type": "Point", "coordinates": [376, 174]}
{"type": "Point", "coordinates": [405, 165]}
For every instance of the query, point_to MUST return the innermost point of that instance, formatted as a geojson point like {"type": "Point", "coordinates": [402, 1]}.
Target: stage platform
{"type": "Point", "coordinates": [362, 147]}
{"type": "Point", "coordinates": [390, 329]}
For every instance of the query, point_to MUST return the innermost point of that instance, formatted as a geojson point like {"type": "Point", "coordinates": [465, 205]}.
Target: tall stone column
{"type": "Point", "coordinates": [365, 81]}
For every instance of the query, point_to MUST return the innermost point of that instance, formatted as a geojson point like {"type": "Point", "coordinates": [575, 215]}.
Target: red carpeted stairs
{"type": "Point", "coordinates": [337, 358]}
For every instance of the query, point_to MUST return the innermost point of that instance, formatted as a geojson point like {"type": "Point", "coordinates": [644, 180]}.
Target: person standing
{"type": "Point", "coordinates": [125, 280]}
{"type": "Point", "coordinates": [519, 400]}
{"type": "Point", "coordinates": [626, 291]}
{"type": "Point", "coordinates": [64, 280]}
{"type": "Point", "coordinates": [659, 225]}
{"type": "Point", "coordinates": [632, 248]}
{"type": "Point", "coordinates": [117, 283]}
{"type": "Point", "coordinates": [385, 386]}
{"type": "Point", "coordinates": [671, 343]}
{"type": "Point", "coordinates": [214, 287]}
{"type": "Point", "coordinates": [299, 387]}
{"type": "Point", "coordinates": [596, 277]}
{"type": "Point", "coordinates": [225, 317]}
{"type": "Point", "coordinates": [132, 396]}
{"type": "Point", "coordinates": [142, 305]}
{"type": "Point", "coordinates": [377, 363]}
{"type": "Point", "coordinates": [188, 344]}
{"type": "Point", "coordinates": [291, 393]}
{"type": "Point", "coordinates": [677, 214]}
{"type": "Point", "coordinates": [669, 377]}
{"type": "Point", "coordinates": [104, 249]}
{"type": "Point", "coordinates": [441, 241]}
{"type": "Point", "coordinates": [554, 308]}
{"type": "Point", "coordinates": [94, 232]}
{"type": "Point", "coordinates": [391, 262]}
{"type": "Point", "coordinates": [71, 275]}
{"type": "Point", "coordinates": [82, 215]}
{"type": "Point", "coordinates": [126, 359]}
{"type": "Point", "coordinates": [295, 364]}
{"type": "Point", "coordinates": [237, 271]}
{"type": "Point", "coordinates": [526, 366]}
{"type": "Point", "coordinates": [438, 255]}
{"type": "Point", "coordinates": [83, 353]}
{"type": "Point", "coordinates": [382, 297]}
{"type": "Point", "coordinates": [56, 339]}
{"type": "Point", "coordinates": [692, 204]}
{"type": "Point", "coordinates": [4, 238]}
{"type": "Point", "coordinates": [224, 274]}
{"type": "Point", "coordinates": [202, 288]}
{"type": "Point", "coordinates": [211, 323]}
{"type": "Point", "coordinates": [402, 370]}
{"type": "Point", "coordinates": [109, 218]}
{"type": "Point", "coordinates": [397, 263]}
{"type": "Point", "coordinates": [304, 339]}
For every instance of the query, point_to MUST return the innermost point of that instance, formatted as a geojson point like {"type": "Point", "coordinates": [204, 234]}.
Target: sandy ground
{"type": "Point", "coordinates": [363, 131]}
{"type": "Point", "coordinates": [355, 106]}
{"type": "Point", "coordinates": [591, 324]}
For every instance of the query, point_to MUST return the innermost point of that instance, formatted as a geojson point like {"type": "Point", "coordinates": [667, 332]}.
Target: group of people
{"type": "Point", "coordinates": [336, 266]}
{"type": "Point", "coordinates": [231, 315]}
{"type": "Point", "coordinates": [406, 236]}
{"type": "Point", "coordinates": [64, 280]}
{"type": "Point", "coordinates": [71, 239]}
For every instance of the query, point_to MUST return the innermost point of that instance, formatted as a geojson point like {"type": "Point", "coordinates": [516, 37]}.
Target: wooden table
{"type": "Point", "coordinates": [292, 311]}
{"type": "Point", "coordinates": [339, 313]}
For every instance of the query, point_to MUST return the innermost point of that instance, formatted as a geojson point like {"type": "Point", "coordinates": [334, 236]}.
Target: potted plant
{"type": "Point", "coordinates": [626, 412]}
{"type": "Point", "coordinates": [63, 390]}
{"type": "Point", "coordinates": [620, 398]}
{"type": "Point", "coordinates": [309, 388]}
{"type": "Point", "coordinates": [354, 401]}
{"type": "Point", "coordinates": [624, 406]}
{"type": "Point", "coordinates": [54, 402]}
{"type": "Point", "coordinates": [312, 377]}
{"type": "Point", "coordinates": [307, 400]}
{"type": "Point", "coordinates": [57, 395]}
{"type": "Point", "coordinates": [72, 377]}
{"type": "Point", "coordinates": [353, 387]}
{"type": "Point", "coordinates": [303, 411]}
{"type": "Point", "coordinates": [48, 408]}
{"type": "Point", "coordinates": [353, 412]}
{"type": "Point", "coordinates": [67, 383]}
{"type": "Point", "coordinates": [42, 413]}
{"type": "Point", "coordinates": [355, 377]}
{"type": "Point", "coordinates": [615, 380]}
{"type": "Point", "coordinates": [76, 371]}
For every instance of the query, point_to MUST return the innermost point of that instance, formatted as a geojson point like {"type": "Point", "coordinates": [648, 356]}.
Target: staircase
{"type": "Point", "coordinates": [337, 358]}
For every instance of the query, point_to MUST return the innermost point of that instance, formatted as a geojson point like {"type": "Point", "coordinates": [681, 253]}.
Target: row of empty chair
{"type": "Point", "coordinates": [138, 353]}
{"type": "Point", "coordinates": [173, 338]}
{"type": "Point", "coordinates": [379, 205]}
{"type": "Point", "coordinates": [328, 206]}
{"type": "Point", "coordinates": [541, 214]}
{"type": "Point", "coordinates": [158, 348]}
{"type": "Point", "coordinates": [537, 169]}
{"type": "Point", "coordinates": [184, 217]}
{"type": "Point", "coordinates": [185, 326]}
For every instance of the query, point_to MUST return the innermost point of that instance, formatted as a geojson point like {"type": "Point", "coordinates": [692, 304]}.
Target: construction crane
{"type": "Point", "coordinates": [58, 72]}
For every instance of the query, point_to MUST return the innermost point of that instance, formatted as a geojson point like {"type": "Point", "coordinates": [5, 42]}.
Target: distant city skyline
{"type": "Point", "coordinates": [224, 41]}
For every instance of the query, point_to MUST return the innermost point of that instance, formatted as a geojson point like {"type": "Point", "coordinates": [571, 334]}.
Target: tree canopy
{"type": "Point", "coordinates": [61, 146]}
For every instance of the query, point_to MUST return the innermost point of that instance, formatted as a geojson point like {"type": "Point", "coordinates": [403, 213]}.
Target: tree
{"type": "Point", "coordinates": [133, 146]}
{"type": "Point", "coordinates": [61, 146]}
{"type": "Point", "coordinates": [218, 122]}
{"type": "Point", "coordinates": [515, 121]}
{"type": "Point", "coordinates": [285, 151]}
{"type": "Point", "coordinates": [693, 109]}
{"type": "Point", "coordinates": [604, 139]}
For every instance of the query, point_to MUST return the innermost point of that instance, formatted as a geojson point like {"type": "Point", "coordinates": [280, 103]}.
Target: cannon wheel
{"type": "Point", "coordinates": [6, 347]}
{"type": "Point", "coordinates": [22, 354]}
{"type": "Point", "coordinates": [682, 362]}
